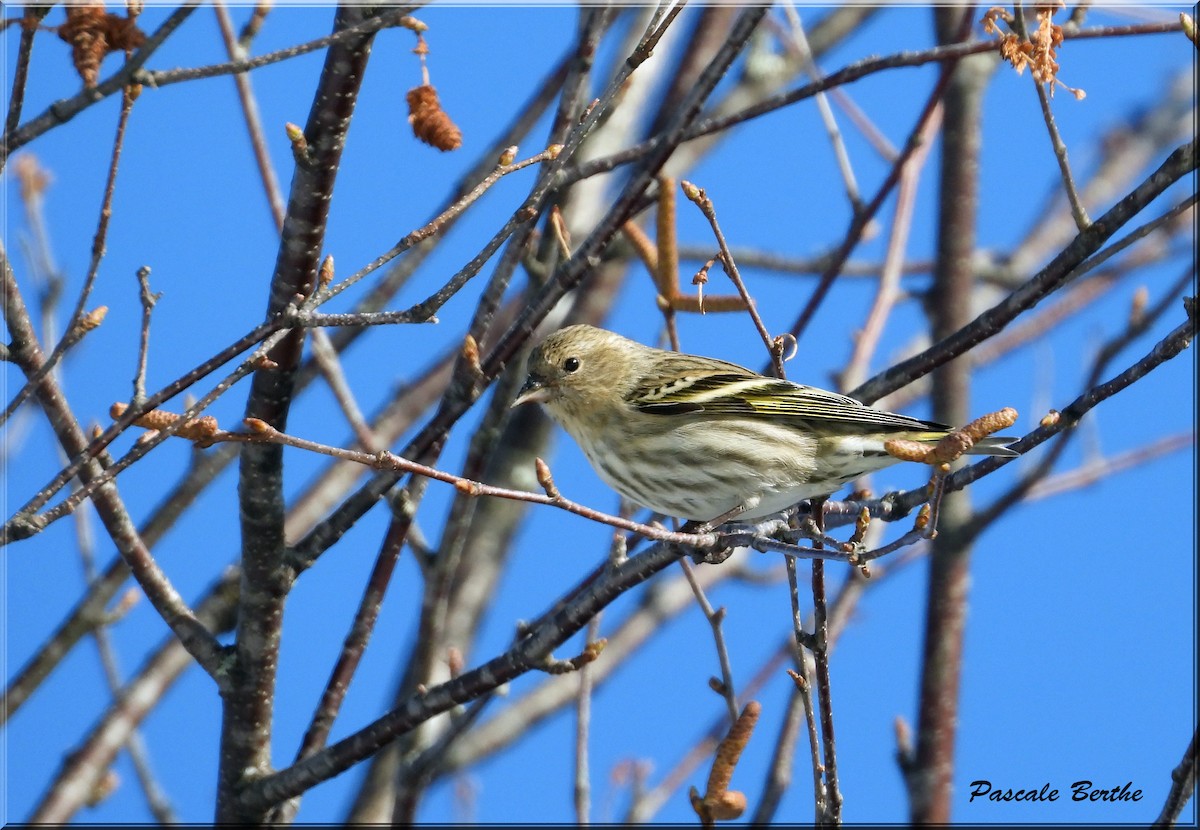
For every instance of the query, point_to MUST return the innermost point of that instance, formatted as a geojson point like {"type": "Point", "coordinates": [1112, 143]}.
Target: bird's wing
{"type": "Point", "coordinates": [728, 389]}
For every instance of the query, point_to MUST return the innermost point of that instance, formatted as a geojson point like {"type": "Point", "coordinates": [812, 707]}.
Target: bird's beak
{"type": "Point", "coordinates": [534, 391]}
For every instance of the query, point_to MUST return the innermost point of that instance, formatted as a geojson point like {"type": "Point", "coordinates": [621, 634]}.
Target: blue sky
{"type": "Point", "coordinates": [1080, 643]}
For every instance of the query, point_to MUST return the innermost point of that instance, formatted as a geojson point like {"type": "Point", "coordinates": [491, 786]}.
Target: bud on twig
{"type": "Point", "coordinates": [590, 654]}
{"type": "Point", "coordinates": [454, 661]}
{"type": "Point", "coordinates": [258, 425]}
{"type": "Point", "coordinates": [545, 479]}
{"type": "Point", "coordinates": [325, 274]}
{"type": "Point", "coordinates": [1189, 28]}
{"type": "Point", "coordinates": [299, 143]}
{"type": "Point", "coordinates": [922, 520]}
{"type": "Point", "coordinates": [467, 487]}
{"type": "Point", "coordinates": [470, 353]}
{"type": "Point", "coordinates": [93, 318]}
{"type": "Point", "coordinates": [798, 679]}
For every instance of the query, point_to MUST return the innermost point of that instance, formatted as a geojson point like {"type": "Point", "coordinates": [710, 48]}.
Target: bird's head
{"type": "Point", "coordinates": [580, 369]}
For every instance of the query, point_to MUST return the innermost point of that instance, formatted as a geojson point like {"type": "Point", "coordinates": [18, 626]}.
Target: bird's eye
{"type": "Point", "coordinates": [571, 364]}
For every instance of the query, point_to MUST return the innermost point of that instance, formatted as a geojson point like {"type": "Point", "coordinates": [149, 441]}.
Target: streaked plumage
{"type": "Point", "coordinates": [695, 437]}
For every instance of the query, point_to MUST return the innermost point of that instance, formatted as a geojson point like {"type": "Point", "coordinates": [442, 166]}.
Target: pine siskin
{"type": "Point", "coordinates": [703, 439]}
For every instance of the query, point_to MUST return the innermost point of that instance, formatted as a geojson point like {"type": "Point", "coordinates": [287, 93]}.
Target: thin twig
{"type": "Point", "coordinates": [819, 646]}
{"type": "Point", "coordinates": [198, 640]}
{"type": "Point", "coordinates": [700, 197]}
{"type": "Point", "coordinates": [804, 266]}
{"type": "Point", "coordinates": [1095, 471]}
{"type": "Point", "coordinates": [1060, 153]}
{"type": "Point", "coordinates": [715, 619]}
{"type": "Point", "coordinates": [263, 433]}
{"type": "Point", "coordinates": [29, 28]}
{"type": "Point", "coordinates": [873, 134]}
{"type": "Point", "coordinates": [888, 292]}
{"type": "Point", "coordinates": [800, 44]}
{"type": "Point", "coordinates": [64, 110]}
{"type": "Point", "coordinates": [804, 688]}
{"type": "Point", "coordinates": [139, 755]}
{"type": "Point", "coordinates": [330, 367]}
{"type": "Point", "coordinates": [1066, 420]}
{"type": "Point", "coordinates": [79, 318]}
{"type": "Point", "coordinates": [862, 218]}
{"type": "Point", "coordinates": [779, 771]}
{"type": "Point", "coordinates": [26, 521]}
{"type": "Point", "coordinates": [253, 25]}
{"type": "Point", "coordinates": [1058, 272]}
{"type": "Point", "coordinates": [389, 19]}
{"type": "Point", "coordinates": [581, 794]}
{"type": "Point", "coordinates": [262, 155]}
{"type": "Point", "coordinates": [848, 74]}
{"type": "Point", "coordinates": [330, 703]}
{"type": "Point", "coordinates": [147, 299]}
{"type": "Point", "coordinates": [425, 309]}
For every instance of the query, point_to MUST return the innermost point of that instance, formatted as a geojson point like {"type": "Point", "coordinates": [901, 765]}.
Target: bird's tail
{"type": "Point", "coordinates": [994, 445]}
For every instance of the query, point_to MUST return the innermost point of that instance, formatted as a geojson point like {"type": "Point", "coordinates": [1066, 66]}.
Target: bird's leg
{"type": "Point", "coordinates": [818, 514]}
{"type": "Point", "coordinates": [713, 524]}
{"type": "Point", "coordinates": [719, 555]}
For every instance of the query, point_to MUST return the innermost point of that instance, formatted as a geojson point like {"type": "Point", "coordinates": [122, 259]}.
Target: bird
{"type": "Point", "coordinates": [705, 440]}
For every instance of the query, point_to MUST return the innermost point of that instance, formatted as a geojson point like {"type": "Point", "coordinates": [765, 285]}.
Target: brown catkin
{"type": "Point", "coordinates": [83, 30]}
{"type": "Point", "coordinates": [93, 33]}
{"type": "Point", "coordinates": [430, 123]}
